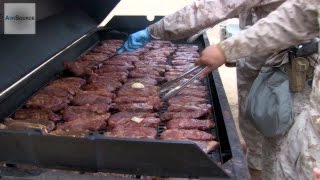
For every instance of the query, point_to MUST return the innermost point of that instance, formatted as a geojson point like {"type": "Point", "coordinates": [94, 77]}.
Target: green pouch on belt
{"type": "Point", "coordinates": [269, 103]}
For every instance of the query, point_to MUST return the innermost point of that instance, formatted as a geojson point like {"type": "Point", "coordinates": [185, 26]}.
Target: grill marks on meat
{"type": "Point", "coordinates": [56, 91]}
{"type": "Point", "coordinates": [194, 134]}
{"type": "Point", "coordinates": [125, 119]}
{"type": "Point", "coordinates": [184, 123]}
{"type": "Point", "coordinates": [109, 86]}
{"type": "Point", "coordinates": [127, 90]}
{"type": "Point", "coordinates": [180, 99]}
{"type": "Point", "coordinates": [37, 114]}
{"type": "Point", "coordinates": [173, 115]}
{"type": "Point", "coordinates": [44, 101]}
{"type": "Point", "coordinates": [71, 113]}
{"type": "Point", "coordinates": [85, 98]}
{"type": "Point", "coordinates": [105, 77]}
{"type": "Point", "coordinates": [189, 108]}
{"type": "Point", "coordinates": [137, 132]}
{"type": "Point", "coordinates": [92, 123]}
{"type": "Point", "coordinates": [71, 84]}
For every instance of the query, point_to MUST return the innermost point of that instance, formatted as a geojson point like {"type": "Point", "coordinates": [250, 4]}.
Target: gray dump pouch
{"type": "Point", "coordinates": [269, 103]}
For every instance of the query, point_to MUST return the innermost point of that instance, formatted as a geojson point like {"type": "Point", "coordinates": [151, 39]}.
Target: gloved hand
{"type": "Point", "coordinates": [136, 40]}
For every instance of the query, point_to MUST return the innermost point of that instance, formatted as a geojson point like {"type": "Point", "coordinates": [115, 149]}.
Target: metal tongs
{"type": "Point", "coordinates": [171, 88]}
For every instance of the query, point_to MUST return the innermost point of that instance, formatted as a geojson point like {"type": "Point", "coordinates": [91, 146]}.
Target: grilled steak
{"type": "Point", "coordinates": [133, 99]}
{"type": "Point", "coordinates": [127, 90]}
{"type": "Point", "coordinates": [146, 80]}
{"type": "Point", "coordinates": [100, 92]}
{"type": "Point", "coordinates": [105, 77]}
{"type": "Point", "coordinates": [111, 68]}
{"type": "Point", "coordinates": [56, 91]}
{"type": "Point", "coordinates": [86, 98]}
{"type": "Point", "coordinates": [71, 84]}
{"type": "Point", "coordinates": [135, 107]}
{"type": "Point", "coordinates": [173, 115]}
{"type": "Point", "coordinates": [110, 86]}
{"type": "Point", "coordinates": [44, 125]}
{"type": "Point", "coordinates": [184, 123]}
{"type": "Point", "coordinates": [92, 123]}
{"type": "Point", "coordinates": [179, 99]}
{"type": "Point", "coordinates": [126, 119]}
{"type": "Point", "coordinates": [137, 132]}
{"type": "Point", "coordinates": [189, 108]}
{"type": "Point", "coordinates": [82, 112]}
{"type": "Point", "coordinates": [193, 134]}
{"type": "Point", "coordinates": [37, 114]}
{"type": "Point", "coordinates": [44, 101]}
{"type": "Point", "coordinates": [80, 68]}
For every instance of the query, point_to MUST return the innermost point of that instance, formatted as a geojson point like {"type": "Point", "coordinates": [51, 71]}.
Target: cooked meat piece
{"type": "Point", "coordinates": [72, 133]}
{"type": "Point", "coordinates": [180, 63]}
{"type": "Point", "coordinates": [148, 71]}
{"type": "Point", "coordinates": [207, 146]}
{"type": "Point", "coordinates": [111, 68]}
{"type": "Point", "coordinates": [92, 123]}
{"type": "Point", "coordinates": [136, 132]}
{"type": "Point", "coordinates": [80, 68]}
{"type": "Point", "coordinates": [101, 92]}
{"type": "Point", "coordinates": [134, 74]}
{"type": "Point", "coordinates": [180, 99]}
{"type": "Point", "coordinates": [110, 86]}
{"type": "Point", "coordinates": [173, 115]}
{"type": "Point", "coordinates": [145, 80]}
{"type": "Point", "coordinates": [127, 90]}
{"type": "Point", "coordinates": [126, 58]}
{"type": "Point", "coordinates": [135, 107]}
{"type": "Point", "coordinates": [137, 99]}
{"type": "Point", "coordinates": [44, 125]}
{"type": "Point", "coordinates": [37, 114]}
{"type": "Point", "coordinates": [82, 112]}
{"type": "Point", "coordinates": [185, 123]}
{"type": "Point", "coordinates": [44, 101]}
{"type": "Point", "coordinates": [55, 91]}
{"type": "Point", "coordinates": [2, 126]}
{"type": "Point", "coordinates": [192, 134]}
{"type": "Point", "coordinates": [126, 119]}
{"type": "Point", "coordinates": [194, 92]}
{"type": "Point", "coordinates": [87, 98]}
{"type": "Point", "coordinates": [97, 57]}
{"type": "Point", "coordinates": [71, 84]}
{"type": "Point", "coordinates": [188, 107]}
{"type": "Point", "coordinates": [161, 68]}
{"type": "Point", "coordinates": [119, 63]}
{"type": "Point", "coordinates": [105, 77]}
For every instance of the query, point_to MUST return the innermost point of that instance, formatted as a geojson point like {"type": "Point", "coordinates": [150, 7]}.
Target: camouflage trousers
{"type": "Point", "coordinates": [290, 156]}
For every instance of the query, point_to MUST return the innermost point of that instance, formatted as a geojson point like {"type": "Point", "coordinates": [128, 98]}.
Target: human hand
{"type": "Point", "coordinates": [136, 40]}
{"type": "Point", "coordinates": [213, 57]}
{"type": "Point", "coordinates": [316, 174]}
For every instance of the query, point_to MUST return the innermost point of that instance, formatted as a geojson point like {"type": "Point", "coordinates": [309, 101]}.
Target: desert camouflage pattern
{"type": "Point", "coordinates": [295, 154]}
{"type": "Point", "coordinates": [203, 14]}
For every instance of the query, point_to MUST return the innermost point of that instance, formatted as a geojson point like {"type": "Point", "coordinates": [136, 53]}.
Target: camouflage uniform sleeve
{"type": "Point", "coordinates": [293, 22]}
{"type": "Point", "coordinates": [200, 14]}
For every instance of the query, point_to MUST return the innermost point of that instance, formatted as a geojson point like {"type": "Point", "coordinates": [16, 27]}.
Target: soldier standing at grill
{"type": "Point", "coordinates": [293, 22]}
{"type": "Point", "coordinates": [203, 14]}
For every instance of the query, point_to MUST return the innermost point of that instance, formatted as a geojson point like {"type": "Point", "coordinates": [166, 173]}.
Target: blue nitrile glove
{"type": "Point", "coordinates": [136, 40]}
